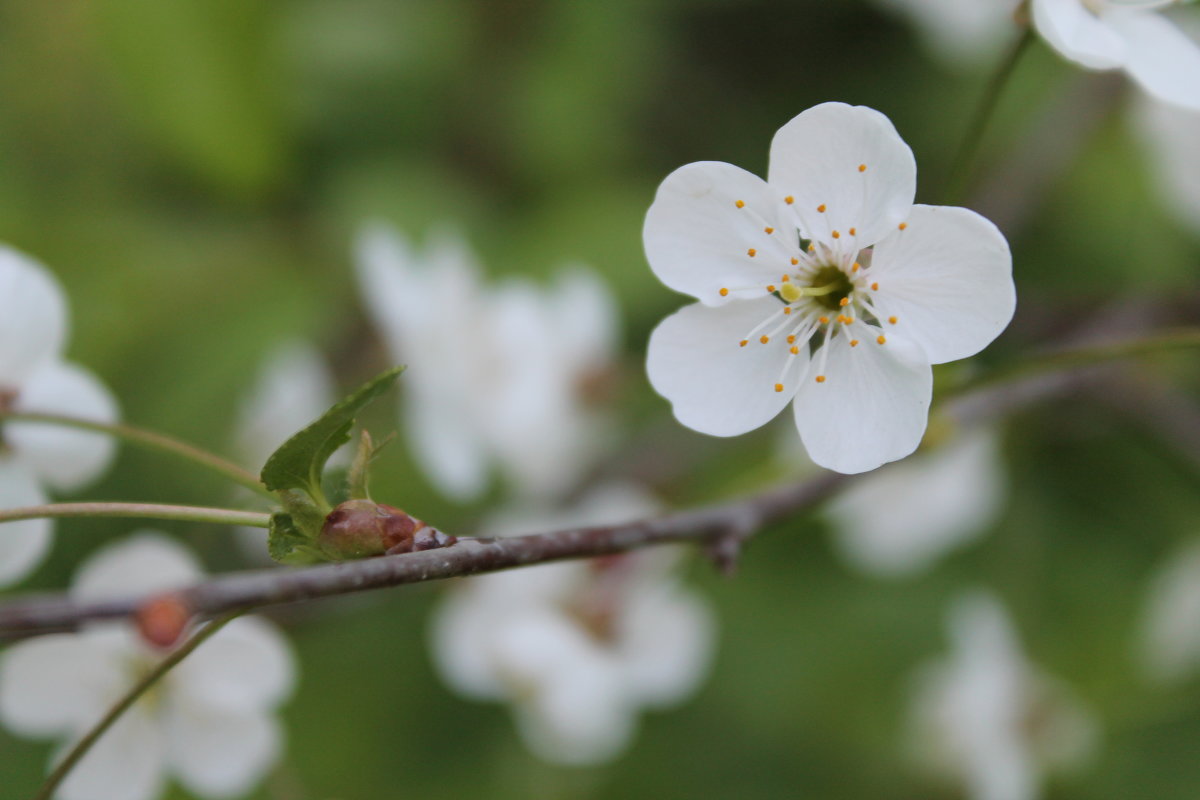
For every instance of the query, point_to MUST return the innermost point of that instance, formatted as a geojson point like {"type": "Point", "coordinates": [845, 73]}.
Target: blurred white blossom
{"type": "Point", "coordinates": [960, 31]}
{"type": "Point", "coordinates": [986, 718]}
{"type": "Point", "coordinates": [498, 374]}
{"type": "Point", "coordinates": [901, 519]}
{"type": "Point", "coordinates": [824, 285]}
{"type": "Point", "coordinates": [1169, 643]}
{"type": "Point", "coordinates": [209, 722]}
{"type": "Point", "coordinates": [34, 377]}
{"type": "Point", "coordinates": [577, 648]}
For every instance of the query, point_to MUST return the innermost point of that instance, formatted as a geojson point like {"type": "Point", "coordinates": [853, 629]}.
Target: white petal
{"type": "Point", "coordinates": [458, 643]}
{"type": "Point", "coordinates": [245, 667]}
{"type": "Point", "coordinates": [666, 639]}
{"type": "Point", "coordinates": [872, 407]}
{"type": "Point", "coordinates": [698, 240]}
{"type": "Point", "coordinates": [1170, 636]}
{"type": "Point", "coordinates": [714, 385]}
{"type": "Point", "coordinates": [59, 683]}
{"type": "Point", "coordinates": [292, 389]}
{"type": "Point", "coordinates": [586, 314]}
{"type": "Point", "coordinates": [818, 157]}
{"type": "Point", "coordinates": [64, 458]}
{"type": "Point", "coordinates": [445, 443]}
{"type": "Point", "coordinates": [1078, 34]}
{"type": "Point", "coordinates": [33, 317]}
{"type": "Point", "coordinates": [963, 32]}
{"type": "Point", "coordinates": [578, 716]}
{"type": "Point", "coordinates": [388, 278]}
{"type": "Point", "coordinates": [1169, 134]}
{"type": "Point", "coordinates": [899, 520]}
{"type": "Point", "coordinates": [126, 763]}
{"type": "Point", "coordinates": [23, 544]}
{"type": "Point", "coordinates": [218, 755]}
{"type": "Point", "coordinates": [1161, 57]}
{"type": "Point", "coordinates": [947, 278]}
{"type": "Point", "coordinates": [144, 562]}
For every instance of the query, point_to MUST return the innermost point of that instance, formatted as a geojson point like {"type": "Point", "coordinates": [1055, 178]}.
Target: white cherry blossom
{"type": "Point", "coordinates": [577, 648]}
{"type": "Point", "coordinates": [823, 284]}
{"type": "Point", "coordinates": [1168, 646]}
{"type": "Point", "coordinates": [209, 722]}
{"type": "Point", "coordinates": [37, 457]}
{"type": "Point", "coordinates": [960, 31]}
{"type": "Point", "coordinates": [1129, 35]}
{"type": "Point", "coordinates": [986, 718]}
{"type": "Point", "coordinates": [498, 374]}
{"type": "Point", "coordinates": [900, 520]}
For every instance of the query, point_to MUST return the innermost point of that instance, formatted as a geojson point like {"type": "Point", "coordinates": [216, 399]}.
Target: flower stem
{"type": "Point", "coordinates": [220, 516]}
{"type": "Point", "coordinates": [152, 440]}
{"type": "Point", "coordinates": [1063, 360]}
{"type": "Point", "coordinates": [964, 159]}
{"type": "Point", "coordinates": [121, 706]}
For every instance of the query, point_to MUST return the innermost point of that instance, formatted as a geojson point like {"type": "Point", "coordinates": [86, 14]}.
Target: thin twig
{"type": "Point", "coordinates": [220, 516]}
{"type": "Point", "coordinates": [152, 440]}
{"type": "Point", "coordinates": [113, 714]}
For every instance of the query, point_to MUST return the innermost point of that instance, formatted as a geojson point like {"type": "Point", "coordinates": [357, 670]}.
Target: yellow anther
{"type": "Point", "coordinates": [821, 208]}
{"type": "Point", "coordinates": [785, 278]}
{"type": "Point", "coordinates": [854, 342]}
{"type": "Point", "coordinates": [740, 204]}
{"type": "Point", "coordinates": [724, 292]}
{"type": "Point", "coordinates": [837, 235]}
{"type": "Point", "coordinates": [893, 320]}
{"type": "Point", "coordinates": [768, 230]}
{"type": "Point", "coordinates": [795, 261]}
{"type": "Point", "coordinates": [823, 320]}
{"type": "Point", "coordinates": [856, 267]}
{"type": "Point", "coordinates": [743, 342]}
{"type": "Point", "coordinates": [845, 301]}
{"type": "Point", "coordinates": [848, 321]}
{"type": "Point", "coordinates": [820, 379]}
{"type": "Point", "coordinates": [790, 293]}
{"type": "Point", "coordinates": [882, 340]}
{"type": "Point", "coordinates": [903, 225]}
{"type": "Point", "coordinates": [812, 248]}
{"type": "Point", "coordinates": [862, 167]}
{"type": "Point", "coordinates": [752, 252]}
{"type": "Point", "coordinates": [791, 338]}
{"type": "Point", "coordinates": [874, 287]}
{"type": "Point", "coordinates": [854, 231]}
{"type": "Point", "coordinates": [770, 287]}
{"type": "Point", "coordinates": [789, 199]}
{"type": "Point", "coordinates": [764, 339]}
{"type": "Point", "coordinates": [795, 350]}
{"type": "Point", "coordinates": [787, 309]}
{"type": "Point", "coordinates": [779, 387]}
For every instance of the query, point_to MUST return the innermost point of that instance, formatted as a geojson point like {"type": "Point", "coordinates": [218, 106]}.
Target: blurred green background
{"type": "Point", "coordinates": [194, 171]}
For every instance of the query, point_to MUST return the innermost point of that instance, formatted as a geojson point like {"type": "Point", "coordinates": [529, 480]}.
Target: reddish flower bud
{"type": "Point", "coordinates": [162, 619]}
{"type": "Point", "coordinates": [361, 528]}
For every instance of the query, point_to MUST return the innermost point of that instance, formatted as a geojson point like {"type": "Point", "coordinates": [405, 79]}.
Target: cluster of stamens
{"type": "Point", "coordinates": [823, 277]}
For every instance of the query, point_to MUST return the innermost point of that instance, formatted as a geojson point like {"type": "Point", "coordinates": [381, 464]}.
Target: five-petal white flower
{"type": "Point", "coordinates": [576, 648]}
{"type": "Point", "coordinates": [824, 284]}
{"type": "Point", "coordinates": [1129, 35]}
{"type": "Point", "coordinates": [988, 718]}
{"type": "Point", "coordinates": [209, 721]}
{"type": "Point", "coordinates": [35, 378]}
{"type": "Point", "coordinates": [497, 375]}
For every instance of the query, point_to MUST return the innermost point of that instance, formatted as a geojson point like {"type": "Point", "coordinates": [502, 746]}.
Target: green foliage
{"type": "Point", "coordinates": [299, 462]}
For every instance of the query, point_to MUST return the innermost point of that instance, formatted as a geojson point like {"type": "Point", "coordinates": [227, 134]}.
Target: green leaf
{"type": "Point", "coordinates": [299, 461]}
{"type": "Point", "coordinates": [287, 544]}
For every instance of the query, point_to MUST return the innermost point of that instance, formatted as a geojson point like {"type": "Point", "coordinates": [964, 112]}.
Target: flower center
{"type": "Point", "coordinates": [828, 287]}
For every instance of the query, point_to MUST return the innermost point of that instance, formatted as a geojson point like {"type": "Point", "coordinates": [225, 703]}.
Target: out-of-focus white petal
{"type": "Point", "coordinates": [292, 389]}
{"type": "Point", "coordinates": [217, 754]}
{"type": "Point", "coordinates": [446, 444]}
{"type": "Point", "coordinates": [899, 520]}
{"type": "Point", "coordinates": [848, 161]}
{"type": "Point", "coordinates": [1170, 134]}
{"type": "Point", "coordinates": [389, 283]}
{"type": "Point", "coordinates": [245, 667]}
{"type": "Point", "coordinates": [144, 562]}
{"type": "Point", "coordinates": [715, 385]}
{"type": "Point", "coordinates": [698, 240]}
{"type": "Point", "coordinates": [666, 641]}
{"type": "Point", "coordinates": [1161, 58]}
{"type": "Point", "coordinates": [1169, 647]}
{"type": "Point", "coordinates": [33, 317]}
{"type": "Point", "coordinates": [947, 278]}
{"type": "Point", "coordinates": [126, 763]}
{"type": "Point", "coordinates": [871, 409]}
{"type": "Point", "coordinates": [961, 31]}
{"type": "Point", "coordinates": [64, 458]}
{"type": "Point", "coordinates": [586, 314]}
{"type": "Point", "coordinates": [579, 716]}
{"type": "Point", "coordinates": [538, 643]}
{"type": "Point", "coordinates": [1078, 34]}
{"type": "Point", "coordinates": [23, 544]}
{"type": "Point", "coordinates": [458, 630]}
{"type": "Point", "coordinates": [59, 684]}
